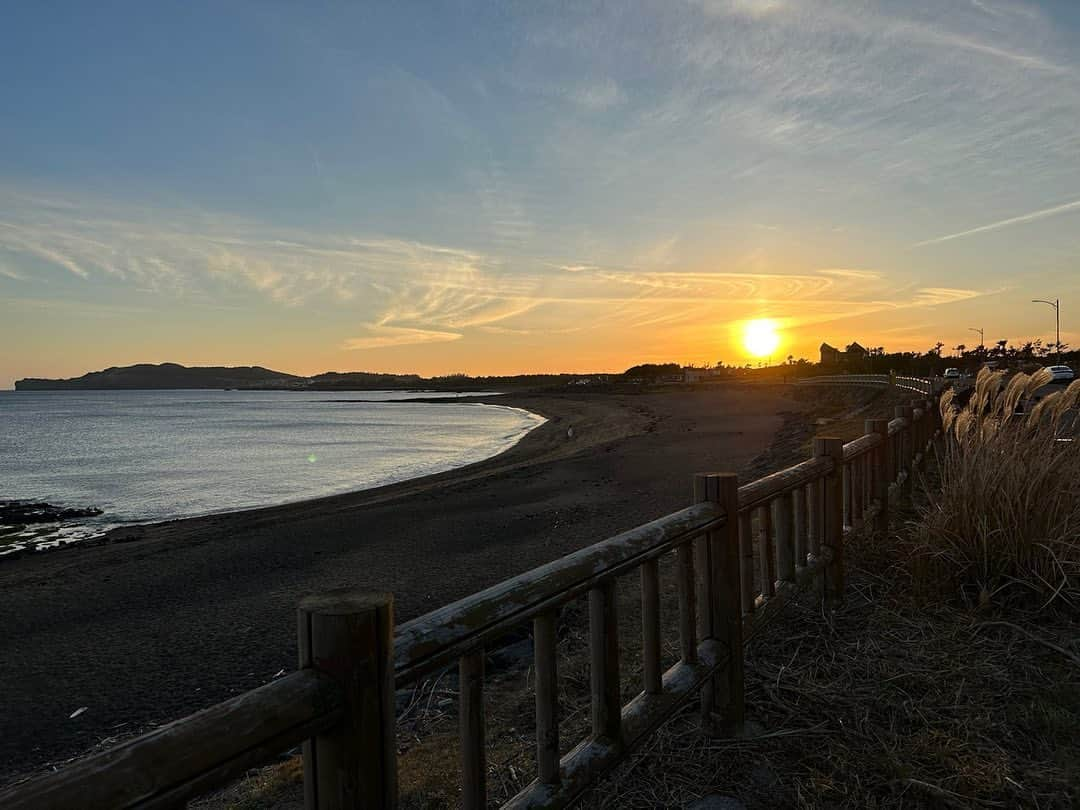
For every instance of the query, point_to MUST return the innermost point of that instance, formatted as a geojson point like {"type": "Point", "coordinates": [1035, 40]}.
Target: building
{"type": "Point", "coordinates": [854, 356]}
{"type": "Point", "coordinates": [830, 356]}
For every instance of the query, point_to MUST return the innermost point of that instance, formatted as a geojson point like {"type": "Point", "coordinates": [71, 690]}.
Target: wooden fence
{"type": "Point", "coordinates": [340, 703]}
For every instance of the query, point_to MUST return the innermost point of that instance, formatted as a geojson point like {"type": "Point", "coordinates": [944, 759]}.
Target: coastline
{"type": "Point", "coordinates": [175, 616]}
{"type": "Point", "coordinates": [75, 537]}
{"type": "Point", "coordinates": [594, 423]}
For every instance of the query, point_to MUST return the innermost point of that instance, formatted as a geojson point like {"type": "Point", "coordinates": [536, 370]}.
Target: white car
{"type": "Point", "coordinates": [952, 374]}
{"type": "Point", "coordinates": [1061, 373]}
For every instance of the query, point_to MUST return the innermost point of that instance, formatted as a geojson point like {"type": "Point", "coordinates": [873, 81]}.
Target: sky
{"type": "Point", "coordinates": [512, 187]}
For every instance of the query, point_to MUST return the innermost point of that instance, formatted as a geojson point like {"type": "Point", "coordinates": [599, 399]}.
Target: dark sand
{"type": "Point", "coordinates": [193, 611]}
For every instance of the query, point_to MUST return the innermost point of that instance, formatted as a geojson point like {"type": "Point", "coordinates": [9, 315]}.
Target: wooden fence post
{"type": "Point", "coordinates": [545, 661]}
{"type": "Point", "coordinates": [473, 748]}
{"type": "Point", "coordinates": [907, 447]}
{"type": "Point", "coordinates": [729, 623]}
{"type": "Point", "coordinates": [349, 635]}
{"type": "Point", "coordinates": [918, 429]}
{"type": "Point", "coordinates": [604, 664]}
{"type": "Point", "coordinates": [707, 562]}
{"type": "Point", "coordinates": [929, 409]}
{"type": "Point", "coordinates": [720, 609]}
{"type": "Point", "coordinates": [833, 516]}
{"type": "Point", "coordinates": [879, 472]}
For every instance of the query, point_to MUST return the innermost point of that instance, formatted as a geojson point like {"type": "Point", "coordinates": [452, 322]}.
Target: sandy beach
{"type": "Point", "coordinates": [171, 617]}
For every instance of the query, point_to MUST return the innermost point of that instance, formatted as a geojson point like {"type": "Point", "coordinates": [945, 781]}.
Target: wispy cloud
{"type": "Point", "coordinates": [848, 272]}
{"type": "Point", "coordinates": [1005, 223]}
{"type": "Point", "coordinates": [382, 337]}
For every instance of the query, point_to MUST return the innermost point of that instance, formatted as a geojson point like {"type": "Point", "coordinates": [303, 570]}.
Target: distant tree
{"type": "Point", "coordinates": [652, 371]}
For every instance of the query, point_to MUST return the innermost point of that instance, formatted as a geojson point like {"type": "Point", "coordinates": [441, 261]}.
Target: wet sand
{"type": "Point", "coordinates": [171, 617]}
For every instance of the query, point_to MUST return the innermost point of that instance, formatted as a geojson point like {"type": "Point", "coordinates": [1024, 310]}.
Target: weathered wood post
{"type": "Point", "coordinates": [473, 748]}
{"type": "Point", "coordinates": [604, 664]}
{"type": "Point", "coordinates": [858, 471]}
{"type": "Point", "coordinates": [880, 472]}
{"type": "Point", "coordinates": [729, 623]}
{"type": "Point", "coordinates": [918, 432]}
{"type": "Point", "coordinates": [929, 409]}
{"type": "Point", "coordinates": [545, 662]}
{"type": "Point", "coordinates": [746, 552]}
{"type": "Point", "coordinates": [784, 520]}
{"type": "Point", "coordinates": [813, 517]}
{"type": "Point", "coordinates": [798, 502]}
{"type": "Point", "coordinates": [907, 442]}
{"type": "Point", "coordinates": [706, 561]}
{"type": "Point", "coordinates": [848, 510]}
{"type": "Point", "coordinates": [650, 627]}
{"type": "Point", "coordinates": [833, 515]}
{"type": "Point", "coordinates": [349, 635]}
{"type": "Point", "coordinates": [720, 609]}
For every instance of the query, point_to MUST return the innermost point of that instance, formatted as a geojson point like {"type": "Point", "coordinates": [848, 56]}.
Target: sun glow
{"type": "Point", "coordinates": [760, 337]}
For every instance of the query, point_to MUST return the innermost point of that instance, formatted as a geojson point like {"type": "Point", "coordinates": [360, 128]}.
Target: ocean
{"type": "Point", "coordinates": [144, 456]}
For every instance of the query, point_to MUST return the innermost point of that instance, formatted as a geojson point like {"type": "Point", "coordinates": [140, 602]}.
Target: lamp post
{"type": "Point", "coordinates": [1056, 304]}
{"type": "Point", "coordinates": [980, 331]}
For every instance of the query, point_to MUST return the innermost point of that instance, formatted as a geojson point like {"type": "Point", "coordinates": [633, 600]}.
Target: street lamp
{"type": "Point", "coordinates": [980, 331]}
{"type": "Point", "coordinates": [1056, 304]}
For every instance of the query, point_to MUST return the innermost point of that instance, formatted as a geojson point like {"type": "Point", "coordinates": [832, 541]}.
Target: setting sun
{"type": "Point", "coordinates": [760, 337]}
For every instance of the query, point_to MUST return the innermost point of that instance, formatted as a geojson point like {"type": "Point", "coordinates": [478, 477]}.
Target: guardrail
{"type": "Point", "coordinates": [790, 526]}
{"type": "Point", "coordinates": [920, 385]}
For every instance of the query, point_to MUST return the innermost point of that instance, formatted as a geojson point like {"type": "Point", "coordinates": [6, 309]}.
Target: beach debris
{"type": "Point", "coordinates": [77, 712]}
{"type": "Point", "coordinates": [279, 673]}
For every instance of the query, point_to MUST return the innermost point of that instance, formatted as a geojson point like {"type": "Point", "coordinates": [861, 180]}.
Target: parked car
{"type": "Point", "coordinates": [952, 374]}
{"type": "Point", "coordinates": [1061, 373]}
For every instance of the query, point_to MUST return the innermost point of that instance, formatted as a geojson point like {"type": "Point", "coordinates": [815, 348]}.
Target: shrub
{"type": "Point", "coordinates": [1006, 518]}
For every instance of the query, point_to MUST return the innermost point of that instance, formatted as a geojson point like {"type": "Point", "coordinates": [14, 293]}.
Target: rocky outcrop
{"type": "Point", "coordinates": [18, 513]}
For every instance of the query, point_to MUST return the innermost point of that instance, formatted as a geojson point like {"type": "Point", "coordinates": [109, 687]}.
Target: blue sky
{"type": "Point", "coordinates": [516, 186]}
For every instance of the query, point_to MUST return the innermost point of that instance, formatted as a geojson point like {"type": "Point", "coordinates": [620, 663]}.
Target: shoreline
{"type": "Point", "coordinates": [193, 611]}
{"type": "Point", "coordinates": [539, 444]}
{"type": "Point", "coordinates": [129, 531]}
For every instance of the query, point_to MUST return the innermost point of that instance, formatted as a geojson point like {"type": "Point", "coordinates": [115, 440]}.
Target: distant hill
{"type": "Point", "coordinates": [168, 376]}
{"type": "Point", "coordinates": [364, 381]}
{"type": "Point", "coordinates": [174, 376]}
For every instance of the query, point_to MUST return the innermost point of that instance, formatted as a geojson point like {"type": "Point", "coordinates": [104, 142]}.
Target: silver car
{"type": "Point", "coordinates": [1061, 373]}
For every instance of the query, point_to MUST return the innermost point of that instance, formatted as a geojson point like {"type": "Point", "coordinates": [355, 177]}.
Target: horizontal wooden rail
{"type": "Point", "coordinates": [861, 445]}
{"type": "Point", "coordinates": [432, 641]}
{"type": "Point", "coordinates": [168, 766]}
{"type": "Point", "coordinates": [763, 490]}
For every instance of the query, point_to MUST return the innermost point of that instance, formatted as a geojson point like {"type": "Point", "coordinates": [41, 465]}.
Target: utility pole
{"type": "Point", "coordinates": [980, 331]}
{"type": "Point", "coordinates": [1056, 304]}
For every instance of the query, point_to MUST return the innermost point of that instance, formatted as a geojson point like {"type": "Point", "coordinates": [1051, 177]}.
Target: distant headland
{"type": "Point", "coordinates": [173, 376]}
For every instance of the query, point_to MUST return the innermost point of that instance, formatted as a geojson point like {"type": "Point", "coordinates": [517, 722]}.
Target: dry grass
{"type": "Point", "coordinates": [1004, 520]}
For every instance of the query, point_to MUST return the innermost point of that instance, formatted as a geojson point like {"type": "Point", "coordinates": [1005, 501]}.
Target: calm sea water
{"type": "Point", "coordinates": [153, 455]}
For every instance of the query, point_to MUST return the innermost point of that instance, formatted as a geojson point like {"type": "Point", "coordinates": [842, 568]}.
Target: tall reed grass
{"type": "Point", "coordinates": [1005, 520]}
